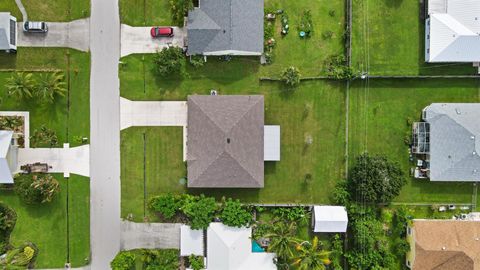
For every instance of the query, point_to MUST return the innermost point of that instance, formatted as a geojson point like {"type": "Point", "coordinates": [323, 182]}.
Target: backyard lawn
{"type": "Point", "coordinates": [46, 225]}
{"type": "Point", "coordinates": [378, 124]}
{"type": "Point", "coordinates": [56, 11]}
{"type": "Point", "coordinates": [10, 6]}
{"type": "Point", "coordinates": [315, 109]}
{"type": "Point", "coordinates": [389, 36]}
{"type": "Point", "coordinates": [145, 12]}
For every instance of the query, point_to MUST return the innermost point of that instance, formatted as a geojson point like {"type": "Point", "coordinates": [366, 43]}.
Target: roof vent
{"type": "Point", "coordinates": [472, 137]}
{"type": "Point", "coordinates": [228, 140]}
{"type": "Point", "coordinates": [444, 248]}
{"type": "Point", "coordinates": [458, 111]}
{"type": "Point", "coordinates": [475, 170]}
{"type": "Point", "coordinates": [474, 153]}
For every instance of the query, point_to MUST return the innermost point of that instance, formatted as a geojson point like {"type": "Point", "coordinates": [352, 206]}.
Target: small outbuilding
{"type": "Point", "coordinates": [329, 219]}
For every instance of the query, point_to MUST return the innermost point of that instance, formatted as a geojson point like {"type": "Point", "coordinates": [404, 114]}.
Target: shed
{"type": "Point", "coordinates": [191, 241]}
{"type": "Point", "coordinates": [271, 143]}
{"type": "Point", "coordinates": [330, 219]}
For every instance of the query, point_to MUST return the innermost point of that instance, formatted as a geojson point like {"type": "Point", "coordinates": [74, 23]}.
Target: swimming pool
{"type": "Point", "coordinates": [256, 247]}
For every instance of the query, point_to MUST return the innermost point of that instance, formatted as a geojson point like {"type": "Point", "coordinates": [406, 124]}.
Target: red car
{"type": "Point", "coordinates": [161, 32]}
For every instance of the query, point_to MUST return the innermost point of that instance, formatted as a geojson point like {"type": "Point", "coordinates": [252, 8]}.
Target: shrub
{"type": "Point", "coordinates": [293, 214]}
{"type": "Point", "coordinates": [179, 9]}
{"type": "Point", "coordinates": [196, 262]}
{"type": "Point", "coordinates": [197, 61]}
{"type": "Point", "coordinates": [44, 137]}
{"type": "Point", "coordinates": [167, 205]}
{"type": "Point", "coordinates": [34, 189]}
{"type": "Point", "coordinates": [20, 258]}
{"type": "Point", "coordinates": [8, 218]}
{"type": "Point", "coordinates": [200, 210]}
{"type": "Point", "coordinates": [291, 76]}
{"type": "Point", "coordinates": [124, 260]}
{"type": "Point", "coordinates": [235, 214]}
{"type": "Point", "coordinates": [166, 259]}
{"type": "Point", "coordinates": [337, 68]}
{"type": "Point", "coordinates": [169, 61]}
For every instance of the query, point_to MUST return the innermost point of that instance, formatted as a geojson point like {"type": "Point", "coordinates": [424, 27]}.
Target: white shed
{"type": "Point", "coordinates": [271, 143]}
{"type": "Point", "coordinates": [330, 219]}
{"type": "Point", "coordinates": [191, 241]}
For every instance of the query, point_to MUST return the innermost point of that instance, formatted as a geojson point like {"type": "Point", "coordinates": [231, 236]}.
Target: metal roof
{"type": "Point", "coordinates": [5, 171]}
{"type": "Point", "coordinates": [225, 141]}
{"type": "Point", "coordinates": [5, 30]}
{"type": "Point", "coordinates": [329, 218]}
{"type": "Point", "coordinates": [454, 150]}
{"type": "Point", "coordinates": [226, 25]}
{"type": "Point", "coordinates": [191, 241]}
{"type": "Point", "coordinates": [271, 143]}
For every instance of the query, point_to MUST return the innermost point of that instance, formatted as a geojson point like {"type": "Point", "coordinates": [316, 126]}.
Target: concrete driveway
{"type": "Point", "coordinates": [138, 40]}
{"type": "Point", "coordinates": [150, 235]}
{"type": "Point", "coordinates": [74, 34]}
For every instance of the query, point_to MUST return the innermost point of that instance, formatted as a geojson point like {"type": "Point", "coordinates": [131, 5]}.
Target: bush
{"type": "Point", "coordinates": [8, 218]}
{"type": "Point", "coordinates": [293, 214]}
{"type": "Point", "coordinates": [196, 262]}
{"type": "Point", "coordinates": [235, 214]}
{"type": "Point", "coordinates": [124, 260]}
{"type": "Point", "coordinates": [197, 61]}
{"type": "Point", "coordinates": [200, 210]}
{"type": "Point", "coordinates": [169, 61]}
{"type": "Point", "coordinates": [44, 137]}
{"type": "Point", "coordinates": [291, 76]}
{"type": "Point", "coordinates": [165, 259]}
{"type": "Point", "coordinates": [167, 205]}
{"type": "Point", "coordinates": [337, 68]}
{"type": "Point", "coordinates": [179, 9]}
{"type": "Point", "coordinates": [35, 188]}
{"type": "Point", "coordinates": [20, 258]}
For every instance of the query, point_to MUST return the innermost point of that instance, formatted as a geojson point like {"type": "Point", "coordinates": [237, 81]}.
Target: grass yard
{"type": "Point", "coordinates": [315, 109]}
{"type": "Point", "coordinates": [46, 225]}
{"type": "Point", "coordinates": [145, 12]}
{"type": "Point", "coordinates": [56, 11]}
{"type": "Point", "coordinates": [389, 36]}
{"type": "Point", "coordinates": [10, 6]}
{"type": "Point", "coordinates": [378, 123]}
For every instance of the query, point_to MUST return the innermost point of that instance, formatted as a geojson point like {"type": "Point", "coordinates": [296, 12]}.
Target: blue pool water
{"type": "Point", "coordinates": [256, 247]}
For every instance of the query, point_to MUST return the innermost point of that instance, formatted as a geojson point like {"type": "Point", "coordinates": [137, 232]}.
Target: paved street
{"type": "Point", "coordinates": [74, 34]}
{"type": "Point", "coordinates": [104, 133]}
{"type": "Point", "coordinates": [150, 235]}
{"type": "Point", "coordinates": [138, 40]}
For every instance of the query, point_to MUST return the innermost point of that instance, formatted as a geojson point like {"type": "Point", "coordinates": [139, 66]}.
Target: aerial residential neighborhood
{"type": "Point", "coordinates": [239, 134]}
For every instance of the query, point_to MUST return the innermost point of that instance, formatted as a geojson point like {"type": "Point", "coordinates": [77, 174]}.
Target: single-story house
{"type": "Point", "coordinates": [227, 143]}
{"type": "Point", "coordinates": [225, 27]}
{"type": "Point", "coordinates": [329, 219]}
{"type": "Point", "coordinates": [452, 31]}
{"type": "Point", "coordinates": [228, 248]}
{"type": "Point", "coordinates": [444, 244]}
{"type": "Point", "coordinates": [191, 241]}
{"type": "Point", "coordinates": [8, 157]}
{"type": "Point", "coordinates": [8, 32]}
{"type": "Point", "coordinates": [448, 140]}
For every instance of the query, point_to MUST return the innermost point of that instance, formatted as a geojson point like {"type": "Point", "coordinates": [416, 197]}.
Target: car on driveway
{"type": "Point", "coordinates": [161, 32]}
{"type": "Point", "coordinates": [35, 27]}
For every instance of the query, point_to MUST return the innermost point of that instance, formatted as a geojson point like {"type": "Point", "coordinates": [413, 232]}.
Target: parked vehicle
{"type": "Point", "coordinates": [161, 32]}
{"type": "Point", "coordinates": [35, 27]}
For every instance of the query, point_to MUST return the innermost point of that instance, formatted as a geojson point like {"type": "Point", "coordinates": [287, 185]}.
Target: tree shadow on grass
{"type": "Point", "coordinates": [8, 60]}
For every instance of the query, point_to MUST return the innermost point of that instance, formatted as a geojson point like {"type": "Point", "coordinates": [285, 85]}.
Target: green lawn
{"type": "Point", "coordinates": [145, 12]}
{"type": "Point", "coordinates": [378, 124]}
{"type": "Point", "coordinates": [389, 35]}
{"type": "Point", "coordinates": [10, 6]}
{"type": "Point", "coordinates": [284, 180]}
{"type": "Point", "coordinates": [46, 224]}
{"type": "Point", "coordinates": [58, 10]}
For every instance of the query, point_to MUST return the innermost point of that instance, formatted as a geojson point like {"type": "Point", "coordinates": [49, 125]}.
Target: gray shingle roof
{"type": "Point", "coordinates": [225, 141]}
{"type": "Point", "coordinates": [454, 150]}
{"type": "Point", "coordinates": [223, 25]}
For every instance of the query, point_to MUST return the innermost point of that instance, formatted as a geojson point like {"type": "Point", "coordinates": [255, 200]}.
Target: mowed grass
{"type": "Point", "coordinates": [57, 11]}
{"type": "Point", "coordinates": [388, 38]}
{"type": "Point", "coordinates": [315, 109]}
{"type": "Point", "coordinates": [10, 6]}
{"type": "Point", "coordinates": [46, 225]}
{"type": "Point", "coordinates": [378, 124]}
{"type": "Point", "coordinates": [145, 12]}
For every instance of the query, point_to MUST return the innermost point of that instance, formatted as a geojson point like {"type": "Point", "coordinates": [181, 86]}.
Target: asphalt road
{"type": "Point", "coordinates": [104, 133]}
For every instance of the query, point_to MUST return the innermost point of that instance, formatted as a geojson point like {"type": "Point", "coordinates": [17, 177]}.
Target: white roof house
{"type": "Point", "coordinates": [8, 32]}
{"type": "Point", "coordinates": [330, 219]}
{"type": "Point", "coordinates": [230, 248]}
{"type": "Point", "coordinates": [452, 31]}
{"type": "Point", "coordinates": [191, 241]}
{"type": "Point", "coordinates": [8, 157]}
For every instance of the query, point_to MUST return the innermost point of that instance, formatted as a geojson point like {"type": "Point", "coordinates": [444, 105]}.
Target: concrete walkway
{"type": "Point", "coordinates": [152, 113]}
{"type": "Point", "coordinates": [74, 34]}
{"type": "Point", "coordinates": [150, 235]}
{"type": "Point", "coordinates": [139, 40]}
{"type": "Point", "coordinates": [65, 160]}
{"type": "Point", "coordinates": [22, 10]}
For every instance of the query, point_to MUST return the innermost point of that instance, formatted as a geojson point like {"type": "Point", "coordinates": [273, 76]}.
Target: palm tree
{"type": "Point", "coordinates": [49, 86]}
{"type": "Point", "coordinates": [282, 239]}
{"type": "Point", "coordinates": [311, 257]}
{"type": "Point", "coordinates": [20, 85]}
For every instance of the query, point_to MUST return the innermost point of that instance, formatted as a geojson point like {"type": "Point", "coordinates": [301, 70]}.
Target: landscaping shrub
{"type": "Point", "coordinates": [169, 61]}
{"type": "Point", "coordinates": [14, 123]}
{"type": "Point", "coordinates": [20, 258]}
{"type": "Point", "coordinates": [125, 260]}
{"type": "Point", "coordinates": [197, 61]}
{"type": "Point", "coordinates": [179, 9]}
{"type": "Point", "coordinates": [235, 214]}
{"type": "Point", "coordinates": [297, 214]}
{"type": "Point", "coordinates": [291, 76]}
{"type": "Point", "coordinates": [35, 188]}
{"type": "Point", "coordinates": [44, 137]}
{"type": "Point", "coordinates": [8, 218]}
{"type": "Point", "coordinates": [20, 85]}
{"type": "Point", "coordinates": [337, 68]}
{"type": "Point", "coordinates": [49, 87]}
{"type": "Point", "coordinates": [168, 205]}
{"type": "Point", "coordinates": [165, 259]}
{"type": "Point", "coordinates": [306, 23]}
{"type": "Point", "coordinates": [200, 210]}
{"type": "Point", "coordinates": [196, 262]}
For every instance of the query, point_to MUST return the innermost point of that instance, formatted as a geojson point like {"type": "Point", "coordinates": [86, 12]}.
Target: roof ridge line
{"type": "Point", "coordinates": [244, 113]}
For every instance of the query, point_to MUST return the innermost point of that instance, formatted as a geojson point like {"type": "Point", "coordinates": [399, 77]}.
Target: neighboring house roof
{"type": "Point", "coordinates": [454, 141]}
{"type": "Point", "coordinates": [7, 39]}
{"type": "Point", "coordinates": [454, 31]}
{"type": "Point", "coordinates": [226, 27]}
{"type": "Point", "coordinates": [230, 248]}
{"type": "Point", "coordinates": [330, 219]}
{"type": "Point", "coordinates": [5, 171]}
{"type": "Point", "coordinates": [191, 241]}
{"type": "Point", "coordinates": [225, 141]}
{"type": "Point", "coordinates": [446, 244]}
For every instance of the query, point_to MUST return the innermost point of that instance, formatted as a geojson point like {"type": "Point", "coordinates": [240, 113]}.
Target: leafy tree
{"type": "Point", "coordinates": [196, 262]}
{"type": "Point", "coordinates": [20, 85]}
{"type": "Point", "coordinates": [50, 85]}
{"type": "Point", "coordinates": [124, 260]}
{"type": "Point", "coordinates": [168, 205]}
{"type": "Point", "coordinates": [311, 257]}
{"type": "Point", "coordinates": [291, 76]}
{"type": "Point", "coordinates": [235, 214]}
{"type": "Point", "coordinates": [166, 259]}
{"type": "Point", "coordinates": [337, 68]}
{"type": "Point", "coordinates": [169, 61]}
{"type": "Point", "coordinates": [374, 179]}
{"type": "Point", "coordinates": [179, 9]}
{"type": "Point", "coordinates": [282, 239]}
{"type": "Point", "coordinates": [200, 210]}
{"type": "Point", "coordinates": [34, 189]}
